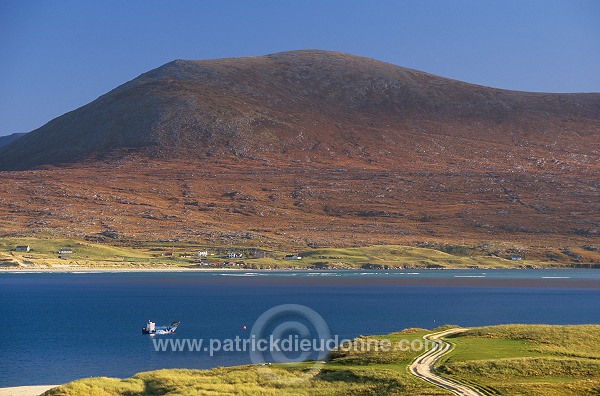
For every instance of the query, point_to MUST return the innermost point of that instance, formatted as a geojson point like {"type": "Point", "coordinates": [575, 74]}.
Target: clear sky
{"type": "Point", "coordinates": [57, 55]}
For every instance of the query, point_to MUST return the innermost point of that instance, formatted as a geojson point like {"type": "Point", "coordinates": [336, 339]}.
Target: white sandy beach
{"type": "Point", "coordinates": [31, 390]}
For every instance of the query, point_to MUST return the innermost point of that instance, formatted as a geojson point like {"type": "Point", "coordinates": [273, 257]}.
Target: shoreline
{"type": "Point", "coordinates": [83, 269]}
{"type": "Point", "coordinates": [118, 269]}
{"type": "Point", "coordinates": [16, 270]}
{"type": "Point", "coordinates": [533, 278]}
{"type": "Point", "coordinates": [194, 268]}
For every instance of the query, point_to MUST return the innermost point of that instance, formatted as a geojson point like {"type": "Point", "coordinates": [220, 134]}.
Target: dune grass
{"type": "Point", "coordinates": [361, 372]}
{"type": "Point", "coordinates": [248, 381]}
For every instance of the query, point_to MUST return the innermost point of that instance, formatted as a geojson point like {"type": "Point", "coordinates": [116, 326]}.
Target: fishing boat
{"type": "Point", "coordinates": [152, 329]}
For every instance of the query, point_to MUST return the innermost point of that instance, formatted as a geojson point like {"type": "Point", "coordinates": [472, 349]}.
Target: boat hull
{"type": "Point", "coordinates": [167, 329]}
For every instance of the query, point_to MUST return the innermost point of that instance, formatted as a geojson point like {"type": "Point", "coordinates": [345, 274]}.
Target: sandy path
{"type": "Point", "coordinates": [422, 367]}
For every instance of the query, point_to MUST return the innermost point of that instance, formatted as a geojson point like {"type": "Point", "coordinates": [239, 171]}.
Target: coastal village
{"type": "Point", "coordinates": [50, 254]}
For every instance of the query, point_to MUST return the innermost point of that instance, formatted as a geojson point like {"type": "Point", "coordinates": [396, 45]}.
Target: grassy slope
{"type": "Point", "coordinates": [528, 359]}
{"type": "Point", "coordinates": [405, 256]}
{"type": "Point", "coordinates": [503, 360]}
{"type": "Point", "coordinates": [151, 254]}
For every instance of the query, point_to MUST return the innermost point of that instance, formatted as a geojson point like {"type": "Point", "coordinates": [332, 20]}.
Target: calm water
{"type": "Point", "coordinates": [59, 327]}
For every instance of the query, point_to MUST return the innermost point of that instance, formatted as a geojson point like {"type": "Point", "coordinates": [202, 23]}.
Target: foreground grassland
{"type": "Point", "coordinates": [44, 253]}
{"type": "Point", "coordinates": [499, 360]}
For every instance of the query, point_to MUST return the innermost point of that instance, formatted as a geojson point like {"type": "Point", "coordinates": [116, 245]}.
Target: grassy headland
{"type": "Point", "coordinates": [499, 360]}
{"type": "Point", "coordinates": [354, 373]}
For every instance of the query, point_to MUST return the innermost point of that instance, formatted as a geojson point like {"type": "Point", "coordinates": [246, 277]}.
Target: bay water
{"type": "Point", "coordinates": [57, 327]}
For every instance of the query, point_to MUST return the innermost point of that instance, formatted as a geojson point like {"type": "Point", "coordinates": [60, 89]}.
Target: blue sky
{"type": "Point", "coordinates": [59, 55]}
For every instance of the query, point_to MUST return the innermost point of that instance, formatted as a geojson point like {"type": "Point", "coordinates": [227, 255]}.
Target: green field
{"type": "Point", "coordinates": [44, 253]}
{"type": "Point", "coordinates": [527, 359]}
{"type": "Point", "coordinates": [499, 360]}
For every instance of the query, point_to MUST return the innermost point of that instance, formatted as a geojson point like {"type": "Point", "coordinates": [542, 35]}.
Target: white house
{"type": "Point", "coordinates": [234, 255]}
{"type": "Point", "coordinates": [292, 257]}
{"type": "Point", "coordinates": [65, 251]}
{"type": "Point", "coordinates": [203, 254]}
{"type": "Point", "coordinates": [23, 248]}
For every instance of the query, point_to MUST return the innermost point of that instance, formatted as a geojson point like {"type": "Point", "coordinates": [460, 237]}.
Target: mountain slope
{"type": "Point", "coordinates": [4, 140]}
{"type": "Point", "coordinates": [302, 104]}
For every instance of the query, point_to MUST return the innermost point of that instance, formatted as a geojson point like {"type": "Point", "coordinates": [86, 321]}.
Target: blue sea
{"type": "Point", "coordinates": [57, 327]}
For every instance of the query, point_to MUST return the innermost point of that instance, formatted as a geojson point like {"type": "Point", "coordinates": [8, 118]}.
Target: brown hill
{"type": "Point", "coordinates": [313, 147]}
{"type": "Point", "coordinates": [304, 104]}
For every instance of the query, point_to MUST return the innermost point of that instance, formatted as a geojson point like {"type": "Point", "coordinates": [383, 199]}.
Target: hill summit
{"type": "Point", "coordinates": [301, 104]}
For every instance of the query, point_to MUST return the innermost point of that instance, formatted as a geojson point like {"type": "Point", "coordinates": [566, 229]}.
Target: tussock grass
{"type": "Point", "coordinates": [248, 381]}
{"type": "Point", "coordinates": [360, 374]}
{"type": "Point", "coordinates": [522, 368]}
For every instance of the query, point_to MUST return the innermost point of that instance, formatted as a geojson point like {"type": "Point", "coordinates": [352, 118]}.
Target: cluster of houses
{"type": "Point", "coordinates": [65, 252]}
{"type": "Point", "coordinates": [236, 255]}
{"type": "Point", "coordinates": [260, 254]}
{"type": "Point", "coordinates": [203, 254]}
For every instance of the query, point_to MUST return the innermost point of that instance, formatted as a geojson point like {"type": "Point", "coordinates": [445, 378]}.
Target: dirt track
{"type": "Point", "coordinates": [422, 367]}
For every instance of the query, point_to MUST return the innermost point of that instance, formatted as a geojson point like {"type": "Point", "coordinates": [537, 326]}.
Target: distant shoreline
{"type": "Point", "coordinates": [241, 275]}
{"type": "Point", "coordinates": [120, 269]}
{"type": "Point", "coordinates": [239, 269]}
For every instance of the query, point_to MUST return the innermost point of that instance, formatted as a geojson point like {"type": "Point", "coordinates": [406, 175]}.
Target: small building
{"type": "Point", "coordinates": [516, 258]}
{"type": "Point", "coordinates": [23, 248]}
{"type": "Point", "coordinates": [202, 254]}
{"type": "Point", "coordinates": [65, 253]}
{"type": "Point", "coordinates": [233, 255]}
{"type": "Point", "coordinates": [292, 257]}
